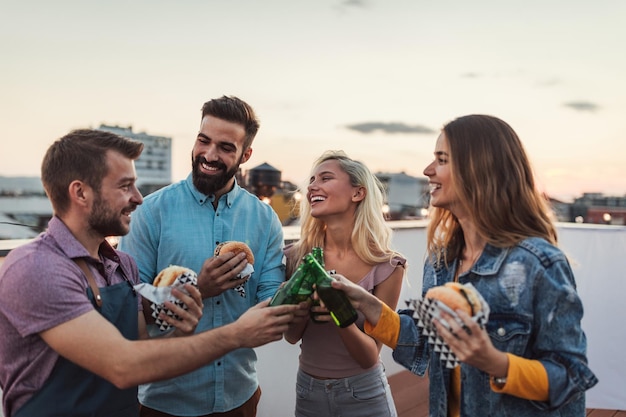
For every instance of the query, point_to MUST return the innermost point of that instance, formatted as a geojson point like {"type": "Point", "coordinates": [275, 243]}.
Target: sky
{"type": "Point", "coordinates": [376, 78]}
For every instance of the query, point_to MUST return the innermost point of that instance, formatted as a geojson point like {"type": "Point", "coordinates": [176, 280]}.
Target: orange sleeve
{"type": "Point", "coordinates": [454, 395]}
{"type": "Point", "coordinates": [387, 330]}
{"type": "Point", "coordinates": [527, 379]}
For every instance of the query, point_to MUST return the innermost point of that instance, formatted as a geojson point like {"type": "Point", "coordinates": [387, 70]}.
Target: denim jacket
{"type": "Point", "coordinates": [535, 314]}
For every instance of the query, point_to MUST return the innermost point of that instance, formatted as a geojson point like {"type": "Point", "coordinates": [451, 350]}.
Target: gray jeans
{"type": "Point", "coordinates": [364, 395]}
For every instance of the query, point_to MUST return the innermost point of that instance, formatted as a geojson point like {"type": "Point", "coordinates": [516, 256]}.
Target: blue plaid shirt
{"type": "Point", "coordinates": [178, 225]}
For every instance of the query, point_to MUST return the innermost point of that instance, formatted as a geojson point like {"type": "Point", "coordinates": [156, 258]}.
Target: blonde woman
{"type": "Point", "coordinates": [340, 371]}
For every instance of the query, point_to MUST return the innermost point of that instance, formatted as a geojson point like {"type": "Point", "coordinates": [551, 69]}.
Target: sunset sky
{"type": "Point", "coordinates": [377, 78]}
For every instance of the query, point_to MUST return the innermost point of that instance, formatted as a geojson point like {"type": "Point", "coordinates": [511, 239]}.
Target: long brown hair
{"type": "Point", "coordinates": [495, 184]}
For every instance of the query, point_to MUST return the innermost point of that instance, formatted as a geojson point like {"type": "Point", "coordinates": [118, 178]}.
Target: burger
{"type": "Point", "coordinates": [457, 296]}
{"type": "Point", "coordinates": [235, 247]}
{"type": "Point", "coordinates": [171, 274]}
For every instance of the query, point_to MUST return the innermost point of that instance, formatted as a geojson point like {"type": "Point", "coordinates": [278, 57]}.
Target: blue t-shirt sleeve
{"type": "Point", "coordinates": [273, 273]}
{"type": "Point", "coordinates": [141, 243]}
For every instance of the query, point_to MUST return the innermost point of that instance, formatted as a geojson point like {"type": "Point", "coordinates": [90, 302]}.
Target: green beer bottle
{"type": "Point", "coordinates": [298, 288]}
{"type": "Point", "coordinates": [337, 302]}
{"type": "Point", "coordinates": [318, 254]}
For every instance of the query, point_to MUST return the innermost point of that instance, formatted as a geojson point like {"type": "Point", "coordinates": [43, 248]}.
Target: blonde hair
{"type": "Point", "coordinates": [371, 235]}
{"type": "Point", "coordinates": [494, 181]}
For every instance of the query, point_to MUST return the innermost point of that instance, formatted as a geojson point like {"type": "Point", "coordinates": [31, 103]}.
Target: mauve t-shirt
{"type": "Point", "coordinates": [322, 350]}
{"type": "Point", "coordinates": [41, 287]}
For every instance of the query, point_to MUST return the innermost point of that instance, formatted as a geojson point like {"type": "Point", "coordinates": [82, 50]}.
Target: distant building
{"type": "Point", "coordinates": [600, 209]}
{"type": "Point", "coordinates": [25, 209]}
{"type": "Point", "coordinates": [263, 181]}
{"type": "Point", "coordinates": [154, 166]}
{"type": "Point", "coordinates": [562, 211]}
{"type": "Point", "coordinates": [406, 196]}
{"type": "Point", "coordinates": [285, 203]}
{"type": "Point", "coordinates": [21, 186]}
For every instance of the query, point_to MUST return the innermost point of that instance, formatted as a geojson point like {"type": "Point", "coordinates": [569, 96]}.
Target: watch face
{"type": "Point", "coordinates": [499, 381]}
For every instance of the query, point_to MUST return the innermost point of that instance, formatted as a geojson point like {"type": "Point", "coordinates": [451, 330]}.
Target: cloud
{"type": "Point", "coordinates": [345, 6]}
{"type": "Point", "coordinates": [354, 3]}
{"type": "Point", "coordinates": [548, 82]}
{"type": "Point", "coordinates": [394, 127]}
{"type": "Point", "coordinates": [582, 106]}
{"type": "Point", "coordinates": [471, 75]}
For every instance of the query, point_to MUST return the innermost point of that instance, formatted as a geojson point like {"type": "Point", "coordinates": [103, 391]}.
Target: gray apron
{"type": "Point", "coordinates": [72, 391]}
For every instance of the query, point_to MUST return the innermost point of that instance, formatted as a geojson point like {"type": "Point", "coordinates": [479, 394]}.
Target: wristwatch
{"type": "Point", "coordinates": [498, 380]}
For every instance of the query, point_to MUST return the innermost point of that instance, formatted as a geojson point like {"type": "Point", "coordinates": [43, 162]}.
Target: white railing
{"type": "Point", "coordinates": [598, 256]}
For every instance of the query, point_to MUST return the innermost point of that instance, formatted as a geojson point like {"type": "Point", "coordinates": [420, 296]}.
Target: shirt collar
{"type": "Point", "coordinates": [71, 246]}
{"type": "Point", "coordinates": [490, 261]}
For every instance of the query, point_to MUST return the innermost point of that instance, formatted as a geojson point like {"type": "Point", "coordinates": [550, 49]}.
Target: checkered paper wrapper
{"type": "Point", "coordinates": [245, 273]}
{"type": "Point", "coordinates": [159, 295]}
{"type": "Point", "coordinates": [426, 309]}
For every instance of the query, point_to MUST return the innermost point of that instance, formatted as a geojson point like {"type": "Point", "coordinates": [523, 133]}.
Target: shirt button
{"type": "Point", "coordinates": [501, 331]}
{"type": "Point", "coordinates": [218, 303]}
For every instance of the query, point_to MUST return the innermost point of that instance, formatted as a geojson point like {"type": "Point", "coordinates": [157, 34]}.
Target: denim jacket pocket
{"type": "Point", "coordinates": [509, 332]}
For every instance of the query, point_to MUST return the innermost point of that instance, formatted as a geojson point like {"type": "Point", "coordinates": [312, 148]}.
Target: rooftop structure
{"type": "Point", "coordinates": [154, 166]}
{"type": "Point", "coordinates": [406, 196]}
{"type": "Point", "coordinates": [599, 208]}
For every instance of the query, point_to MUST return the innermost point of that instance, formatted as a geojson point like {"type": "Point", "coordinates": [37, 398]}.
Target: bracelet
{"type": "Point", "coordinates": [498, 380]}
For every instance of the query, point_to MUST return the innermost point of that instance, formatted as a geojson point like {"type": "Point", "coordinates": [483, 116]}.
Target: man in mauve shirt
{"type": "Point", "coordinates": [70, 320]}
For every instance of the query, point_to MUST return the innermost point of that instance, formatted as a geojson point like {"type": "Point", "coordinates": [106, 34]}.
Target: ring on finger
{"type": "Point", "coordinates": [453, 334]}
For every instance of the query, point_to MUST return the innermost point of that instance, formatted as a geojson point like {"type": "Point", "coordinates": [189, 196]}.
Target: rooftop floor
{"type": "Point", "coordinates": [410, 394]}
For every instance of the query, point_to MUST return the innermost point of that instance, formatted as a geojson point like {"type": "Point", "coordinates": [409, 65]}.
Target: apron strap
{"type": "Point", "coordinates": [90, 279]}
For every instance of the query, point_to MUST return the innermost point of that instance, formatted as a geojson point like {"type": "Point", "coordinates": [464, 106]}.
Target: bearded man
{"type": "Point", "coordinates": [182, 224]}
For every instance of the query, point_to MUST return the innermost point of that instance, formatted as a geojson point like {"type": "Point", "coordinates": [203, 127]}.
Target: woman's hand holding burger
{"type": "Point", "coordinates": [468, 340]}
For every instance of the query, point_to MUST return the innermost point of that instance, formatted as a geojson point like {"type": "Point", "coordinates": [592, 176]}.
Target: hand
{"type": "Point", "coordinates": [187, 319]}
{"type": "Point", "coordinates": [219, 273]}
{"type": "Point", "coordinates": [471, 344]}
{"type": "Point", "coordinates": [301, 314]}
{"type": "Point", "coordinates": [360, 298]}
{"type": "Point", "coordinates": [357, 294]}
{"type": "Point", "coordinates": [299, 322]}
{"type": "Point", "coordinates": [262, 324]}
{"type": "Point", "coordinates": [318, 312]}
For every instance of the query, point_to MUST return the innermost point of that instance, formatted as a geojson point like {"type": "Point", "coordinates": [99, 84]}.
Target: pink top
{"type": "Point", "coordinates": [322, 351]}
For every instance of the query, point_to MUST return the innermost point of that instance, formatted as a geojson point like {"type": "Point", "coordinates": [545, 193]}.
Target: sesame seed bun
{"type": "Point", "coordinates": [235, 247]}
{"type": "Point", "coordinates": [456, 296]}
{"type": "Point", "coordinates": [168, 275]}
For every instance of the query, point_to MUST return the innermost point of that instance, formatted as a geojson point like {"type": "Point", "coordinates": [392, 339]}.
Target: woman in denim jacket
{"type": "Point", "coordinates": [490, 227]}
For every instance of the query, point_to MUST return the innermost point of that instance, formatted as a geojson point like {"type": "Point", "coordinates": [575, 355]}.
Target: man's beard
{"type": "Point", "coordinates": [104, 220]}
{"type": "Point", "coordinates": [210, 184]}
